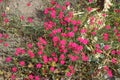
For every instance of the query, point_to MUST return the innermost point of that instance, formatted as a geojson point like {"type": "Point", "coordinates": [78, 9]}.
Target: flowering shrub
{"type": "Point", "coordinates": [67, 50]}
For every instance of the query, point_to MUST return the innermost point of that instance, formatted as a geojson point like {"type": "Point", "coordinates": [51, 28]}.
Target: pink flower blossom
{"type": "Point", "coordinates": [104, 15]}
{"type": "Point", "coordinates": [50, 59]}
{"type": "Point", "coordinates": [78, 22]}
{"type": "Point", "coordinates": [79, 48]}
{"type": "Point", "coordinates": [58, 6]}
{"type": "Point", "coordinates": [52, 2]}
{"type": "Point", "coordinates": [53, 54]}
{"type": "Point", "coordinates": [67, 19]}
{"type": "Point", "coordinates": [12, 77]}
{"type": "Point", "coordinates": [46, 11]}
{"type": "Point", "coordinates": [70, 14]}
{"type": "Point", "coordinates": [42, 41]}
{"type": "Point", "coordinates": [21, 63]}
{"type": "Point", "coordinates": [85, 41]}
{"type": "Point", "coordinates": [1, 41]}
{"type": "Point", "coordinates": [68, 74]}
{"type": "Point", "coordinates": [75, 28]}
{"type": "Point", "coordinates": [3, 14]}
{"type": "Point", "coordinates": [62, 42]}
{"type": "Point", "coordinates": [5, 44]}
{"type": "Point", "coordinates": [37, 78]}
{"type": "Point", "coordinates": [22, 18]}
{"type": "Point", "coordinates": [1, 35]}
{"type": "Point", "coordinates": [28, 4]}
{"type": "Point", "coordinates": [55, 39]}
{"type": "Point", "coordinates": [114, 60]}
{"type": "Point", "coordinates": [38, 65]}
{"type": "Point", "coordinates": [70, 34]}
{"type": "Point", "coordinates": [45, 59]}
{"type": "Point", "coordinates": [1, 1]}
{"type": "Point", "coordinates": [97, 46]}
{"type": "Point", "coordinates": [6, 20]}
{"type": "Point", "coordinates": [40, 52]}
{"type": "Point", "coordinates": [67, 3]}
{"type": "Point", "coordinates": [5, 36]}
{"type": "Point", "coordinates": [62, 56]}
{"type": "Point", "coordinates": [90, 1]}
{"type": "Point", "coordinates": [82, 31]}
{"type": "Point", "coordinates": [107, 27]}
{"type": "Point", "coordinates": [14, 69]}
{"type": "Point", "coordinates": [60, 16]}
{"type": "Point", "coordinates": [84, 57]}
{"type": "Point", "coordinates": [106, 47]}
{"type": "Point", "coordinates": [29, 45]}
{"type": "Point", "coordinates": [8, 59]}
{"type": "Point", "coordinates": [74, 22]}
{"type": "Point", "coordinates": [118, 52]}
{"type": "Point", "coordinates": [70, 67]}
{"type": "Point", "coordinates": [93, 33]}
{"type": "Point", "coordinates": [53, 14]}
{"type": "Point", "coordinates": [31, 54]}
{"type": "Point", "coordinates": [63, 34]}
{"type": "Point", "coordinates": [106, 68]}
{"type": "Point", "coordinates": [52, 69]}
{"type": "Point", "coordinates": [68, 28]}
{"type": "Point", "coordinates": [63, 8]}
{"type": "Point", "coordinates": [98, 50]}
{"type": "Point", "coordinates": [29, 19]}
{"type": "Point", "coordinates": [105, 37]}
{"type": "Point", "coordinates": [73, 58]}
{"type": "Point", "coordinates": [109, 72]}
{"type": "Point", "coordinates": [113, 52]}
{"type": "Point", "coordinates": [89, 9]}
{"type": "Point", "coordinates": [99, 22]}
{"type": "Point", "coordinates": [92, 20]}
{"type": "Point", "coordinates": [30, 77]}
{"type": "Point", "coordinates": [18, 50]}
{"type": "Point", "coordinates": [59, 30]}
{"type": "Point", "coordinates": [55, 59]}
{"type": "Point", "coordinates": [62, 62]}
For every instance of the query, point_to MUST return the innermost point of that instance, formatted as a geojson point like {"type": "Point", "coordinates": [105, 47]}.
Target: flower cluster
{"type": "Point", "coordinates": [66, 48]}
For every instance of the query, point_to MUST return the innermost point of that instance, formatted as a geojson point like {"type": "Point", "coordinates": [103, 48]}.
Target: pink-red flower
{"type": "Point", "coordinates": [22, 18]}
{"type": "Point", "coordinates": [70, 34]}
{"type": "Point", "coordinates": [6, 44]}
{"type": "Point", "coordinates": [12, 77]}
{"type": "Point", "coordinates": [29, 45]}
{"type": "Point", "coordinates": [90, 1]}
{"type": "Point", "coordinates": [114, 60]}
{"type": "Point", "coordinates": [31, 77]}
{"type": "Point", "coordinates": [107, 27]}
{"type": "Point", "coordinates": [29, 19]}
{"type": "Point", "coordinates": [1, 1]}
{"type": "Point", "coordinates": [6, 20]}
{"type": "Point", "coordinates": [52, 69]}
{"type": "Point", "coordinates": [106, 47]}
{"type": "Point", "coordinates": [8, 59]}
{"type": "Point", "coordinates": [3, 14]}
{"type": "Point", "coordinates": [37, 78]}
{"type": "Point", "coordinates": [28, 4]}
{"type": "Point", "coordinates": [109, 72]}
{"type": "Point", "coordinates": [14, 69]}
{"type": "Point", "coordinates": [62, 62]}
{"type": "Point", "coordinates": [38, 65]}
{"type": "Point", "coordinates": [21, 63]}
{"type": "Point", "coordinates": [53, 14]}
{"type": "Point", "coordinates": [31, 54]}
{"type": "Point", "coordinates": [68, 74]}
{"type": "Point", "coordinates": [1, 35]}
{"type": "Point", "coordinates": [45, 59]}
